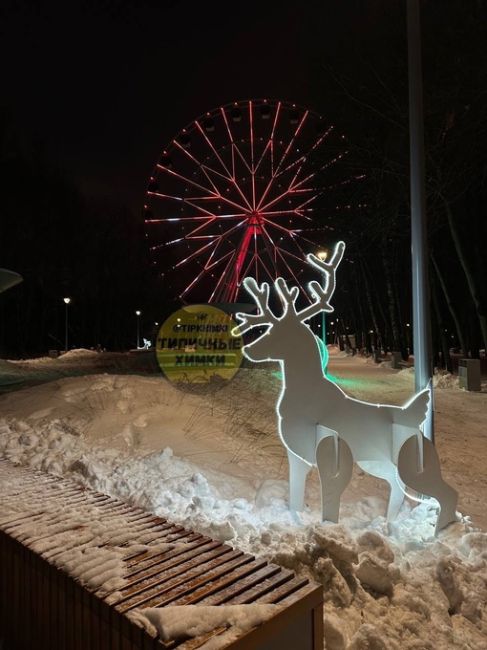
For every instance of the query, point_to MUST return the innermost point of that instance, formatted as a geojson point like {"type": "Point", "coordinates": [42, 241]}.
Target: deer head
{"type": "Point", "coordinates": [273, 343]}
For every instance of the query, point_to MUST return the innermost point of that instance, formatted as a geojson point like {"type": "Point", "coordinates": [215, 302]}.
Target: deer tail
{"type": "Point", "coordinates": [413, 413]}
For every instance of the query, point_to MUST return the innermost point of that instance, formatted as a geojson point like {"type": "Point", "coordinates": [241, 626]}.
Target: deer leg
{"type": "Point", "coordinates": [387, 471]}
{"type": "Point", "coordinates": [429, 480]}
{"type": "Point", "coordinates": [335, 465]}
{"type": "Point", "coordinates": [298, 471]}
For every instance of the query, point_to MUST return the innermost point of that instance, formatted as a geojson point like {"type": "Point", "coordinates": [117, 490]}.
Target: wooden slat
{"type": "Point", "coordinates": [197, 570]}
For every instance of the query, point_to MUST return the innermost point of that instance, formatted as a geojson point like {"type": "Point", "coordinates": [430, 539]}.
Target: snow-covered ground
{"type": "Point", "coordinates": [213, 462]}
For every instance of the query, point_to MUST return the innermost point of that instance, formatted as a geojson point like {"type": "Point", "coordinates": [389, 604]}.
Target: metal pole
{"type": "Point", "coordinates": [419, 237]}
{"type": "Point", "coordinates": [138, 331]}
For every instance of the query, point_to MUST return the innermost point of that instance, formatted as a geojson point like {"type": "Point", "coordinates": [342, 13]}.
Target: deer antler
{"type": "Point", "coordinates": [323, 294]}
{"type": "Point", "coordinates": [264, 315]}
{"type": "Point", "coordinates": [287, 295]}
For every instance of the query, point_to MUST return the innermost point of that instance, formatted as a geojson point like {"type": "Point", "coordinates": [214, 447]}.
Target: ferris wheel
{"type": "Point", "coordinates": [233, 195]}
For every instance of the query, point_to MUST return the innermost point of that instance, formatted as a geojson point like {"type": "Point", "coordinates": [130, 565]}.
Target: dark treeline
{"type": "Point", "coordinates": [65, 245]}
{"type": "Point", "coordinates": [368, 97]}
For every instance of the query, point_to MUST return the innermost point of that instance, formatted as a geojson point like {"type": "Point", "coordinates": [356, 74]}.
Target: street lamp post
{"type": "Point", "coordinates": [66, 302]}
{"type": "Point", "coordinates": [138, 313]}
{"type": "Point", "coordinates": [419, 241]}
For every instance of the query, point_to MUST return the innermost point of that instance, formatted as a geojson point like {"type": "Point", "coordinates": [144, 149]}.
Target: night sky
{"type": "Point", "coordinates": [104, 85]}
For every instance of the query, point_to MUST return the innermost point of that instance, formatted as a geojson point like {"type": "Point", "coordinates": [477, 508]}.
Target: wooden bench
{"type": "Point", "coordinates": [43, 607]}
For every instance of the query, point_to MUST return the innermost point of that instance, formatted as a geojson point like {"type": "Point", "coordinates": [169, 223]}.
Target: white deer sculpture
{"type": "Point", "coordinates": [320, 425]}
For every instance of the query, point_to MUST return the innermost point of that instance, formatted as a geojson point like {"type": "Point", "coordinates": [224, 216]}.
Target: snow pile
{"type": "Point", "coordinates": [444, 379]}
{"type": "Point", "coordinates": [76, 353]}
{"type": "Point", "coordinates": [72, 539]}
{"type": "Point", "coordinates": [385, 586]}
{"type": "Point", "coordinates": [177, 623]}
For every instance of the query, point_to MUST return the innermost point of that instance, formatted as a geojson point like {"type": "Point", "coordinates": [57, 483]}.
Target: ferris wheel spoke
{"type": "Point", "coordinates": [235, 150]}
{"type": "Point", "coordinates": [271, 139]}
{"type": "Point", "coordinates": [215, 238]}
{"type": "Point", "coordinates": [252, 161]}
{"type": "Point", "coordinates": [283, 158]}
{"type": "Point", "coordinates": [187, 180]}
{"type": "Point", "coordinates": [218, 261]}
{"type": "Point", "coordinates": [291, 142]}
{"type": "Point", "coordinates": [208, 222]}
{"type": "Point", "coordinates": [242, 158]}
{"type": "Point", "coordinates": [308, 201]}
{"type": "Point", "coordinates": [223, 276]}
{"type": "Point", "coordinates": [210, 216]}
{"type": "Point", "coordinates": [300, 161]}
{"type": "Point", "coordinates": [193, 255]}
{"type": "Point", "coordinates": [198, 163]}
{"type": "Point", "coordinates": [293, 237]}
{"type": "Point", "coordinates": [297, 243]}
{"type": "Point", "coordinates": [247, 269]}
{"type": "Point", "coordinates": [164, 196]}
{"type": "Point", "coordinates": [264, 265]}
{"type": "Point", "coordinates": [267, 147]}
{"type": "Point", "coordinates": [173, 219]}
{"type": "Point", "coordinates": [279, 227]}
{"type": "Point", "coordinates": [288, 192]}
{"type": "Point", "coordinates": [230, 137]}
{"type": "Point", "coordinates": [313, 174]}
{"type": "Point", "coordinates": [308, 241]}
{"type": "Point", "coordinates": [193, 282]}
{"type": "Point", "coordinates": [234, 146]}
{"type": "Point", "coordinates": [222, 163]}
{"type": "Point", "coordinates": [204, 271]}
{"type": "Point", "coordinates": [289, 254]}
{"type": "Point", "coordinates": [210, 194]}
{"type": "Point", "coordinates": [291, 211]}
{"type": "Point", "coordinates": [293, 275]}
{"type": "Point", "coordinates": [232, 182]}
{"type": "Point", "coordinates": [200, 250]}
{"type": "Point", "coordinates": [215, 152]}
{"type": "Point", "coordinates": [166, 243]}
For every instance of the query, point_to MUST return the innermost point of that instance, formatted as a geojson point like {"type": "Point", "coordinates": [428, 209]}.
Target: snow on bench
{"type": "Point", "coordinates": [80, 570]}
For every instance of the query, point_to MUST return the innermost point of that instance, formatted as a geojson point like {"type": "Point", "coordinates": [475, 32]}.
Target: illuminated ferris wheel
{"type": "Point", "coordinates": [233, 195]}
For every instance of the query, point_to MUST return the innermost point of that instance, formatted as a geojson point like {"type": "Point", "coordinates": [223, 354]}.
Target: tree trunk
{"type": "Point", "coordinates": [453, 311]}
{"type": "Point", "coordinates": [445, 349]}
{"type": "Point", "coordinates": [370, 304]}
{"type": "Point", "coordinates": [471, 280]}
{"type": "Point", "coordinates": [391, 302]}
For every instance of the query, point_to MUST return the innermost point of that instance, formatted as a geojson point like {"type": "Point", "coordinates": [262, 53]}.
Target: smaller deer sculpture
{"type": "Point", "coordinates": [320, 425]}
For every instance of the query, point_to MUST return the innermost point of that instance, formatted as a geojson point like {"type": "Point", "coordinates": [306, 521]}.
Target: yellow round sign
{"type": "Point", "coordinates": [195, 345]}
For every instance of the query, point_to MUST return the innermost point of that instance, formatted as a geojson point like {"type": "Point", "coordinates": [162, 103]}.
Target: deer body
{"type": "Point", "coordinates": [312, 409]}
